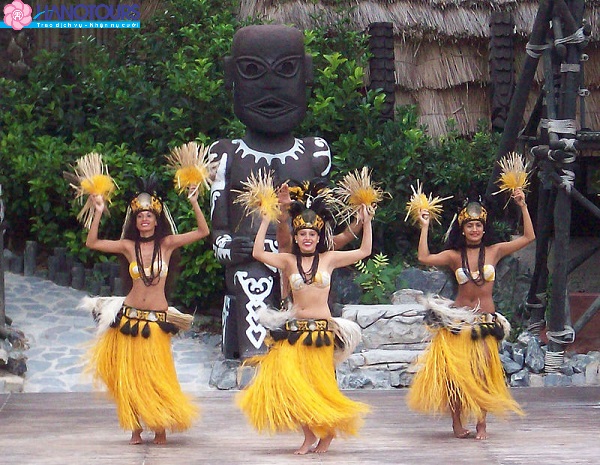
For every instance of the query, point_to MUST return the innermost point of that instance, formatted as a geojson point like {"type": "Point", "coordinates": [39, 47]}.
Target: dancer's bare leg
{"type": "Point", "coordinates": [136, 437]}
{"type": "Point", "coordinates": [481, 428]}
{"type": "Point", "coordinates": [323, 445]}
{"type": "Point", "coordinates": [460, 431]}
{"type": "Point", "coordinates": [309, 440]}
{"type": "Point", "coordinates": [160, 437]}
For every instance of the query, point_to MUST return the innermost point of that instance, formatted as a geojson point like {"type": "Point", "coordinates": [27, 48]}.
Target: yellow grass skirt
{"type": "Point", "coordinates": [296, 385]}
{"type": "Point", "coordinates": [140, 376]}
{"type": "Point", "coordinates": [457, 370]}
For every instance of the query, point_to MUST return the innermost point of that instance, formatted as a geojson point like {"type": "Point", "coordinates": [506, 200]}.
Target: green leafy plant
{"type": "Point", "coordinates": [163, 86]}
{"type": "Point", "coordinates": [377, 279]}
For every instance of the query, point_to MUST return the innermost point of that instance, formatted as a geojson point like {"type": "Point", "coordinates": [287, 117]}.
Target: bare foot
{"type": "Point", "coordinates": [323, 445]}
{"type": "Point", "coordinates": [309, 440]}
{"type": "Point", "coordinates": [160, 437]}
{"type": "Point", "coordinates": [481, 430]}
{"type": "Point", "coordinates": [460, 432]}
{"type": "Point", "coordinates": [136, 437]}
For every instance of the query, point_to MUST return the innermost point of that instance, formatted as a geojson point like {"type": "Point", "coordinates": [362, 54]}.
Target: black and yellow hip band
{"type": "Point", "coordinates": [293, 329]}
{"type": "Point", "coordinates": [135, 316]}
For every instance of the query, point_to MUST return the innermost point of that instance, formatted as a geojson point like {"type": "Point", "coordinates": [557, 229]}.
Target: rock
{"type": "Point", "coordinates": [557, 379]}
{"type": "Point", "coordinates": [10, 382]}
{"type": "Point", "coordinates": [245, 375]}
{"type": "Point", "coordinates": [405, 296]}
{"type": "Point", "coordinates": [224, 374]}
{"type": "Point", "coordinates": [520, 378]}
{"type": "Point", "coordinates": [17, 365]}
{"type": "Point", "coordinates": [429, 282]}
{"type": "Point", "coordinates": [366, 378]}
{"type": "Point", "coordinates": [578, 379]}
{"type": "Point", "coordinates": [510, 366]}
{"type": "Point", "coordinates": [401, 378]}
{"type": "Point", "coordinates": [591, 373]}
{"type": "Point", "coordinates": [524, 337]}
{"type": "Point", "coordinates": [536, 380]}
{"type": "Point", "coordinates": [380, 356]}
{"type": "Point", "coordinates": [567, 368]}
{"type": "Point", "coordinates": [535, 356]}
{"type": "Point", "coordinates": [518, 355]}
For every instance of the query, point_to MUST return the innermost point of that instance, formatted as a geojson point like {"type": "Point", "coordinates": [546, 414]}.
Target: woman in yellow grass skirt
{"type": "Point", "coordinates": [460, 373]}
{"type": "Point", "coordinates": [132, 354]}
{"type": "Point", "coordinates": [295, 385]}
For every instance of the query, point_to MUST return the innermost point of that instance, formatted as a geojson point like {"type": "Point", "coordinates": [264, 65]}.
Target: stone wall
{"type": "Point", "coordinates": [392, 337]}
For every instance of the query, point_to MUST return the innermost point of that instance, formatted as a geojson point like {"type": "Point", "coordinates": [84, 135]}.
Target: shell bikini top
{"type": "Point", "coordinates": [134, 271]}
{"type": "Point", "coordinates": [462, 274]}
{"type": "Point", "coordinates": [322, 280]}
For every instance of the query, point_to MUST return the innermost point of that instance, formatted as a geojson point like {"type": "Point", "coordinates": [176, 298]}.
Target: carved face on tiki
{"type": "Point", "coordinates": [269, 72]}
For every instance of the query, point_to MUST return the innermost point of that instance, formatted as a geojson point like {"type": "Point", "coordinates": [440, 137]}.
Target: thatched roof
{"type": "Point", "coordinates": [433, 19]}
{"type": "Point", "coordinates": [441, 49]}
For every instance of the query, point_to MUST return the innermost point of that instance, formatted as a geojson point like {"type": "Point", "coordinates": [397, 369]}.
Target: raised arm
{"type": "Point", "coordinates": [348, 257]}
{"type": "Point", "coordinates": [347, 235]}
{"type": "Point", "coordinates": [506, 248]}
{"type": "Point", "coordinates": [201, 231]}
{"type": "Point", "coordinates": [423, 254]}
{"type": "Point", "coordinates": [277, 260]}
{"type": "Point", "coordinates": [284, 232]}
{"type": "Point", "coordinates": [92, 241]}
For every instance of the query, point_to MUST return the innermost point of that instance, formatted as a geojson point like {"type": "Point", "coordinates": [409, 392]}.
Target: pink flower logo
{"type": "Point", "coordinates": [17, 15]}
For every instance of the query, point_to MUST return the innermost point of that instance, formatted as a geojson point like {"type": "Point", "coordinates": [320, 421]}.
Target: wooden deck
{"type": "Point", "coordinates": [561, 427]}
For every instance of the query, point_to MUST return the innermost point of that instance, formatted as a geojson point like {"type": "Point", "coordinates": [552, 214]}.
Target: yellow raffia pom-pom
{"type": "Point", "coordinates": [190, 162]}
{"type": "Point", "coordinates": [514, 174]}
{"type": "Point", "coordinates": [419, 201]}
{"type": "Point", "coordinates": [259, 195]}
{"type": "Point", "coordinates": [90, 177]}
{"type": "Point", "coordinates": [356, 189]}
{"type": "Point", "coordinates": [99, 184]}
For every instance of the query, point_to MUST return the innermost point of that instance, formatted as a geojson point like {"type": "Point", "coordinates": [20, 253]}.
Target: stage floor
{"type": "Point", "coordinates": [561, 427]}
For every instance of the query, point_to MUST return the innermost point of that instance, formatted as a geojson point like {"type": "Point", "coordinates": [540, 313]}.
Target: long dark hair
{"type": "Point", "coordinates": [164, 228]}
{"type": "Point", "coordinates": [455, 238]}
{"type": "Point", "coordinates": [309, 215]}
{"type": "Point", "coordinates": [456, 241]}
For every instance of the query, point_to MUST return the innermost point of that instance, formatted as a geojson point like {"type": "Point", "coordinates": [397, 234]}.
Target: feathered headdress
{"type": "Point", "coordinates": [259, 195]}
{"type": "Point", "coordinates": [472, 211]}
{"type": "Point", "coordinates": [306, 191]}
{"type": "Point", "coordinates": [190, 162]}
{"type": "Point", "coordinates": [514, 173]}
{"type": "Point", "coordinates": [357, 189]}
{"type": "Point", "coordinates": [90, 177]}
{"type": "Point", "coordinates": [419, 201]}
{"type": "Point", "coordinates": [312, 208]}
{"type": "Point", "coordinates": [147, 198]}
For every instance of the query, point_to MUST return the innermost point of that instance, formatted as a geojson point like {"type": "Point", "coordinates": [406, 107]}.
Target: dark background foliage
{"type": "Point", "coordinates": [162, 86]}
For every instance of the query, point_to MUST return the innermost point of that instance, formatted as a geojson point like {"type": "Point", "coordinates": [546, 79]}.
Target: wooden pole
{"type": "Point", "coordinates": [567, 110]}
{"type": "Point", "coordinates": [520, 97]}
{"type": "Point", "coordinates": [536, 298]}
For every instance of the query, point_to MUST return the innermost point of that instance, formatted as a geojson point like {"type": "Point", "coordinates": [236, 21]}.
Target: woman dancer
{"type": "Point", "coordinates": [132, 355]}
{"type": "Point", "coordinates": [461, 372]}
{"type": "Point", "coordinates": [295, 385]}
